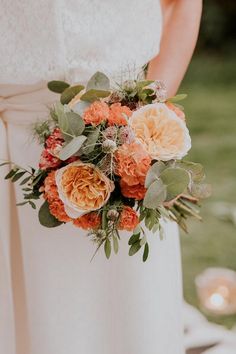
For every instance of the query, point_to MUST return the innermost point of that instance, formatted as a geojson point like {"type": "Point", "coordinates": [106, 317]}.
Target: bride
{"type": "Point", "coordinates": [52, 299]}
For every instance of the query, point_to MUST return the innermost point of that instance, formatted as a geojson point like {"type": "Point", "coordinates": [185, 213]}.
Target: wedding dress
{"type": "Point", "coordinates": [52, 299]}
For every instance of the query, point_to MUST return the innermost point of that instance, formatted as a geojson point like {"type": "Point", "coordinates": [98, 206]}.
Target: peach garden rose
{"type": "Point", "coordinates": [82, 188]}
{"type": "Point", "coordinates": [162, 133]}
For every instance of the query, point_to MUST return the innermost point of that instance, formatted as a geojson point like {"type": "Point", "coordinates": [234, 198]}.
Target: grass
{"type": "Point", "coordinates": [211, 114]}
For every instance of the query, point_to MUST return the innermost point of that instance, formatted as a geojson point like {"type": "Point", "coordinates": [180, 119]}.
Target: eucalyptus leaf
{"type": "Point", "coordinates": [154, 173]}
{"type": "Point", "coordinates": [46, 218]}
{"type": "Point", "coordinates": [155, 195]}
{"type": "Point", "coordinates": [58, 86]}
{"type": "Point", "coordinates": [98, 81]}
{"type": "Point", "coordinates": [107, 248]}
{"type": "Point", "coordinates": [80, 107]}
{"type": "Point", "coordinates": [91, 141]}
{"type": "Point", "coordinates": [94, 95]}
{"type": "Point", "coordinates": [75, 124]}
{"type": "Point", "coordinates": [70, 93]}
{"type": "Point", "coordinates": [201, 190]}
{"type": "Point", "coordinates": [72, 148]}
{"type": "Point", "coordinates": [196, 170]}
{"type": "Point", "coordinates": [176, 181]}
{"type": "Point", "coordinates": [145, 252]}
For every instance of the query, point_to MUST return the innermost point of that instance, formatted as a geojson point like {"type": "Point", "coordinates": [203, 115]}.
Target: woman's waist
{"type": "Point", "coordinates": [22, 104]}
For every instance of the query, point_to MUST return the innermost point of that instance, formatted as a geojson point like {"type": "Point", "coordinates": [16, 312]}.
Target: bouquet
{"type": "Point", "coordinates": [112, 160]}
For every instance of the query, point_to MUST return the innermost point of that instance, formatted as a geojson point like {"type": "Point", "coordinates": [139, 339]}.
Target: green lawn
{"type": "Point", "coordinates": [211, 116]}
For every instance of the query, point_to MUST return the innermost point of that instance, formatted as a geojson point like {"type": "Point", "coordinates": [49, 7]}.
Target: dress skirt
{"type": "Point", "coordinates": [53, 300]}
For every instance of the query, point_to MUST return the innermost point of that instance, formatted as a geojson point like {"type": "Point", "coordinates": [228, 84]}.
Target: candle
{"type": "Point", "coordinates": [216, 288]}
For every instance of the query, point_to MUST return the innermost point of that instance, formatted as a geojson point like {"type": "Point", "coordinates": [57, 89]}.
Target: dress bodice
{"type": "Point", "coordinates": [71, 39]}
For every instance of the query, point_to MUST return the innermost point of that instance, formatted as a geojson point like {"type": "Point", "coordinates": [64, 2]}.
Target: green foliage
{"type": "Point", "coordinates": [58, 86]}
{"type": "Point", "coordinates": [155, 195]}
{"type": "Point", "coordinates": [98, 81]}
{"type": "Point", "coordinates": [176, 181]}
{"type": "Point", "coordinates": [177, 98]}
{"type": "Point", "coordinates": [70, 93]}
{"type": "Point", "coordinates": [72, 147]}
{"type": "Point", "coordinates": [94, 95]}
{"type": "Point", "coordinates": [46, 218]}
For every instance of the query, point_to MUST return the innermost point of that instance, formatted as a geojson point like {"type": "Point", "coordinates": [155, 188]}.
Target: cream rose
{"type": "Point", "coordinates": [162, 133]}
{"type": "Point", "coordinates": [82, 188]}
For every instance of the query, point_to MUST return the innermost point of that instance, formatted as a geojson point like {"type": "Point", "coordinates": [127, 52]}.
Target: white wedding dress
{"type": "Point", "coordinates": [52, 299]}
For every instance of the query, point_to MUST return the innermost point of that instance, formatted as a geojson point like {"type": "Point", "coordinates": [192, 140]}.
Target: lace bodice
{"type": "Point", "coordinates": [71, 39]}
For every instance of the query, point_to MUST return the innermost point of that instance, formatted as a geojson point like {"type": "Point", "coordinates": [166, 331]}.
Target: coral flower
{"type": "Point", "coordinates": [136, 191]}
{"type": "Point", "coordinates": [82, 187]}
{"type": "Point", "coordinates": [128, 219]}
{"type": "Point", "coordinates": [176, 109]}
{"type": "Point", "coordinates": [163, 135]}
{"type": "Point", "coordinates": [132, 163]}
{"type": "Point", "coordinates": [119, 114]}
{"type": "Point", "coordinates": [88, 221]}
{"type": "Point", "coordinates": [56, 206]}
{"type": "Point", "coordinates": [48, 161]}
{"type": "Point", "coordinates": [96, 113]}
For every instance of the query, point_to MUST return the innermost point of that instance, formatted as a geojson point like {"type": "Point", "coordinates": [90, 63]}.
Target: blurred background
{"type": "Point", "coordinates": [211, 114]}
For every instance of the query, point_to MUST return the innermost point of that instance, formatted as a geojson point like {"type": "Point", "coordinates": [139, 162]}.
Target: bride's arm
{"type": "Point", "coordinates": [180, 31]}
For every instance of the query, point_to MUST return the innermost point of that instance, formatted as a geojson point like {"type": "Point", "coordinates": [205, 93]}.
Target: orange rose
{"type": "Point", "coordinates": [96, 113]}
{"type": "Point", "coordinates": [137, 191]}
{"type": "Point", "coordinates": [88, 221]}
{"type": "Point", "coordinates": [176, 109]}
{"type": "Point", "coordinates": [128, 219]}
{"type": "Point", "coordinates": [163, 135]}
{"type": "Point", "coordinates": [56, 206]}
{"type": "Point", "coordinates": [82, 187]}
{"type": "Point", "coordinates": [119, 114]}
{"type": "Point", "coordinates": [132, 163]}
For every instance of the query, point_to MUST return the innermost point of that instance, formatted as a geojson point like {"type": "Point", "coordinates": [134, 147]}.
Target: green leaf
{"type": "Point", "coordinates": [98, 81]}
{"type": "Point", "coordinates": [57, 86]}
{"type": "Point", "coordinates": [72, 148]}
{"type": "Point", "coordinates": [25, 180]}
{"type": "Point", "coordinates": [201, 190]}
{"type": "Point", "coordinates": [145, 252]}
{"type": "Point", "coordinates": [134, 238]}
{"type": "Point", "coordinates": [155, 195]}
{"type": "Point", "coordinates": [92, 139]}
{"type": "Point", "coordinates": [115, 244]}
{"type": "Point", "coordinates": [107, 248]}
{"type": "Point", "coordinates": [11, 173]}
{"type": "Point", "coordinates": [46, 218]}
{"type": "Point", "coordinates": [5, 163]}
{"type": "Point", "coordinates": [75, 124]}
{"type": "Point", "coordinates": [94, 95]}
{"type": "Point", "coordinates": [177, 98]}
{"type": "Point", "coordinates": [154, 173]}
{"type": "Point", "coordinates": [196, 169]}
{"type": "Point", "coordinates": [70, 93]}
{"type": "Point", "coordinates": [176, 181]}
{"type": "Point", "coordinates": [144, 83]}
{"type": "Point", "coordinates": [135, 247]}
{"type": "Point", "coordinates": [80, 107]}
{"type": "Point", "coordinates": [32, 204]}
{"type": "Point", "coordinates": [22, 203]}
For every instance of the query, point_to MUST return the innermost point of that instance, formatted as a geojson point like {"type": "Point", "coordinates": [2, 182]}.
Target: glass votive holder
{"type": "Point", "coordinates": [216, 289]}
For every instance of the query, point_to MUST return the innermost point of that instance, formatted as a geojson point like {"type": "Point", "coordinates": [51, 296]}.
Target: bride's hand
{"type": "Point", "coordinates": [181, 20]}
